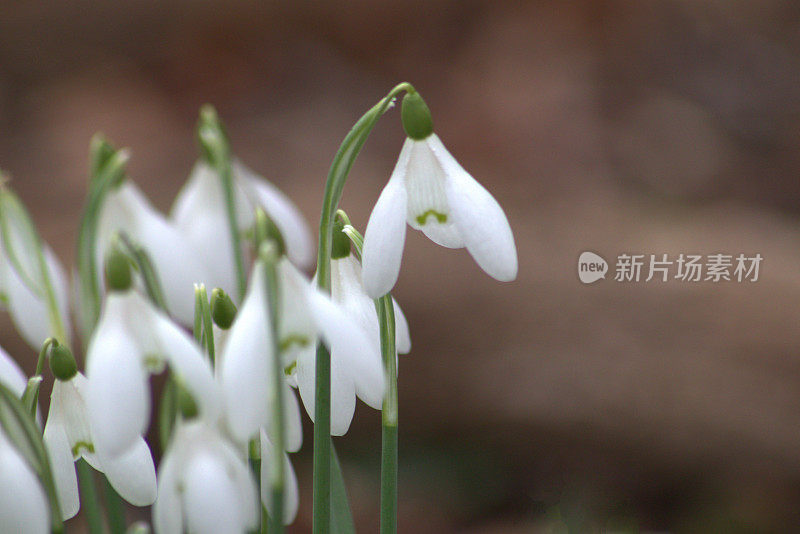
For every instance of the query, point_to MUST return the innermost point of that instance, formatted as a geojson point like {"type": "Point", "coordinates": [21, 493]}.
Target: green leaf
{"type": "Point", "coordinates": [341, 517]}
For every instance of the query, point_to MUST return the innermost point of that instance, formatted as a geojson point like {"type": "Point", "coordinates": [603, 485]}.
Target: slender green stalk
{"type": "Point", "coordinates": [277, 474]}
{"type": "Point", "coordinates": [115, 509]}
{"type": "Point", "coordinates": [89, 501]}
{"type": "Point", "coordinates": [337, 176]}
{"type": "Point", "coordinates": [39, 370]}
{"type": "Point", "coordinates": [384, 307]}
{"type": "Point", "coordinates": [145, 266]}
{"type": "Point", "coordinates": [389, 416]}
{"type": "Point", "coordinates": [216, 149]}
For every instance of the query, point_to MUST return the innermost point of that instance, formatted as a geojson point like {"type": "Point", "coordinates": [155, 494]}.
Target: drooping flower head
{"type": "Point", "coordinates": [430, 191]}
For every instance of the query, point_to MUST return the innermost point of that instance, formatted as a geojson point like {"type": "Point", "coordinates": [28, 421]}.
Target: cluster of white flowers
{"type": "Point", "coordinates": [225, 392]}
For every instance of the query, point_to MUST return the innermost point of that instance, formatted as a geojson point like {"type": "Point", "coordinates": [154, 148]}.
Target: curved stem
{"type": "Point", "coordinates": [337, 176]}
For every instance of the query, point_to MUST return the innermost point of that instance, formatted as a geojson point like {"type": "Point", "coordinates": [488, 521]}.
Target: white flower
{"type": "Point", "coordinates": [23, 282]}
{"type": "Point", "coordinates": [356, 368]}
{"type": "Point", "coordinates": [244, 367]}
{"type": "Point", "coordinates": [433, 193]}
{"type": "Point", "coordinates": [200, 213]}
{"type": "Point", "coordinates": [291, 497]}
{"type": "Point", "coordinates": [174, 257]}
{"type": "Point", "coordinates": [348, 291]}
{"type": "Point", "coordinates": [204, 484]}
{"type": "Point", "coordinates": [24, 507]}
{"type": "Point", "coordinates": [131, 340]}
{"type": "Point", "coordinates": [67, 437]}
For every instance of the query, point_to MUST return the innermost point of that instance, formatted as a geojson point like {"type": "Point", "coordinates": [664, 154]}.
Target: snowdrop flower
{"type": "Point", "coordinates": [24, 507]}
{"type": "Point", "coordinates": [199, 212]}
{"type": "Point", "coordinates": [244, 368]}
{"type": "Point", "coordinates": [28, 270]}
{"type": "Point", "coordinates": [348, 291]}
{"type": "Point", "coordinates": [11, 375]}
{"type": "Point", "coordinates": [68, 437]}
{"type": "Point", "coordinates": [131, 340]}
{"type": "Point", "coordinates": [433, 193]}
{"type": "Point", "coordinates": [204, 484]}
{"type": "Point", "coordinates": [174, 257]}
{"type": "Point", "coordinates": [291, 497]}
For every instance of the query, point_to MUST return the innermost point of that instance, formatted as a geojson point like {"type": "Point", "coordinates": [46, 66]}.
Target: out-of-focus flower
{"type": "Point", "coordinates": [24, 506]}
{"type": "Point", "coordinates": [430, 191]}
{"type": "Point", "coordinates": [176, 261]}
{"type": "Point", "coordinates": [291, 497]}
{"type": "Point", "coordinates": [29, 270]}
{"type": "Point", "coordinates": [199, 212]}
{"type": "Point", "coordinates": [204, 484]}
{"type": "Point", "coordinates": [68, 437]}
{"type": "Point", "coordinates": [133, 339]}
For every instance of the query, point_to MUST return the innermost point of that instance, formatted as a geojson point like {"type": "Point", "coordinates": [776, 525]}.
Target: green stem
{"type": "Point", "coordinates": [142, 259]}
{"type": "Point", "coordinates": [337, 176]}
{"type": "Point", "coordinates": [115, 509]}
{"type": "Point", "coordinates": [389, 416]}
{"type": "Point", "coordinates": [39, 370]}
{"type": "Point", "coordinates": [89, 501]}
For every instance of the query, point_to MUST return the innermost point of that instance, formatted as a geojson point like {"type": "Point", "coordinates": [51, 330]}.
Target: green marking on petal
{"type": "Point", "coordinates": [153, 363]}
{"type": "Point", "coordinates": [76, 449]}
{"type": "Point", "coordinates": [441, 218]}
{"type": "Point", "coordinates": [289, 369]}
{"type": "Point", "coordinates": [293, 339]}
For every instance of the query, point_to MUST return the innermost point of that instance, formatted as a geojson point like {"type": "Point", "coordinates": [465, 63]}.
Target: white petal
{"type": "Point", "coordinates": [173, 258]}
{"type": "Point", "coordinates": [239, 471]}
{"type": "Point", "coordinates": [24, 507]}
{"type": "Point", "coordinates": [245, 364]}
{"type": "Point", "coordinates": [188, 364]}
{"type": "Point", "coordinates": [117, 397]}
{"type": "Point", "coordinates": [428, 208]}
{"type": "Point", "coordinates": [62, 464]}
{"type": "Point", "coordinates": [200, 213]}
{"type": "Point", "coordinates": [385, 235]}
{"type": "Point", "coordinates": [479, 218]}
{"type": "Point", "coordinates": [168, 508]}
{"type": "Point", "coordinates": [69, 397]}
{"type": "Point", "coordinates": [285, 215]}
{"type": "Point", "coordinates": [353, 361]}
{"type": "Point", "coordinates": [211, 497]}
{"type": "Point", "coordinates": [11, 375]}
{"type": "Point", "coordinates": [291, 498]}
{"type": "Point", "coordinates": [296, 327]}
{"type": "Point", "coordinates": [133, 474]}
{"type": "Point", "coordinates": [293, 429]}
{"type": "Point", "coordinates": [402, 335]}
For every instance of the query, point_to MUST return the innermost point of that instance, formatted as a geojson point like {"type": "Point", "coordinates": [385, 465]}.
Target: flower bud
{"type": "Point", "coordinates": [340, 246]}
{"type": "Point", "coordinates": [186, 403]}
{"type": "Point", "coordinates": [223, 310]}
{"type": "Point", "coordinates": [416, 117]}
{"type": "Point", "coordinates": [118, 271]}
{"type": "Point", "coordinates": [266, 230]}
{"type": "Point", "coordinates": [62, 363]}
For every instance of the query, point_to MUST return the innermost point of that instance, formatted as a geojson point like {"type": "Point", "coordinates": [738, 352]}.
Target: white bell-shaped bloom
{"type": "Point", "coordinates": [432, 192]}
{"type": "Point", "coordinates": [200, 213]}
{"type": "Point", "coordinates": [348, 291]}
{"type": "Point", "coordinates": [24, 507]}
{"type": "Point", "coordinates": [291, 496]}
{"type": "Point", "coordinates": [244, 368]}
{"type": "Point", "coordinates": [176, 261]}
{"type": "Point", "coordinates": [356, 369]}
{"type": "Point", "coordinates": [131, 340]}
{"type": "Point", "coordinates": [204, 484]}
{"type": "Point", "coordinates": [68, 437]}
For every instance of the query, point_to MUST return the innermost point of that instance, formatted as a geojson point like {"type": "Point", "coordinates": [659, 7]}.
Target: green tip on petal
{"type": "Point", "coordinates": [186, 403]}
{"type": "Point", "coordinates": [416, 117]}
{"type": "Point", "coordinates": [118, 271]}
{"type": "Point", "coordinates": [223, 310]}
{"type": "Point", "coordinates": [340, 247]}
{"type": "Point", "coordinates": [62, 363]}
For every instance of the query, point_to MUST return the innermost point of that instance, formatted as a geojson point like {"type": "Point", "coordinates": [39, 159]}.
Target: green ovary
{"type": "Point", "coordinates": [441, 218]}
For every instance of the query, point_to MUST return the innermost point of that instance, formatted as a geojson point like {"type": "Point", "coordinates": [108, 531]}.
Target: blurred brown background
{"type": "Point", "coordinates": [650, 127]}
